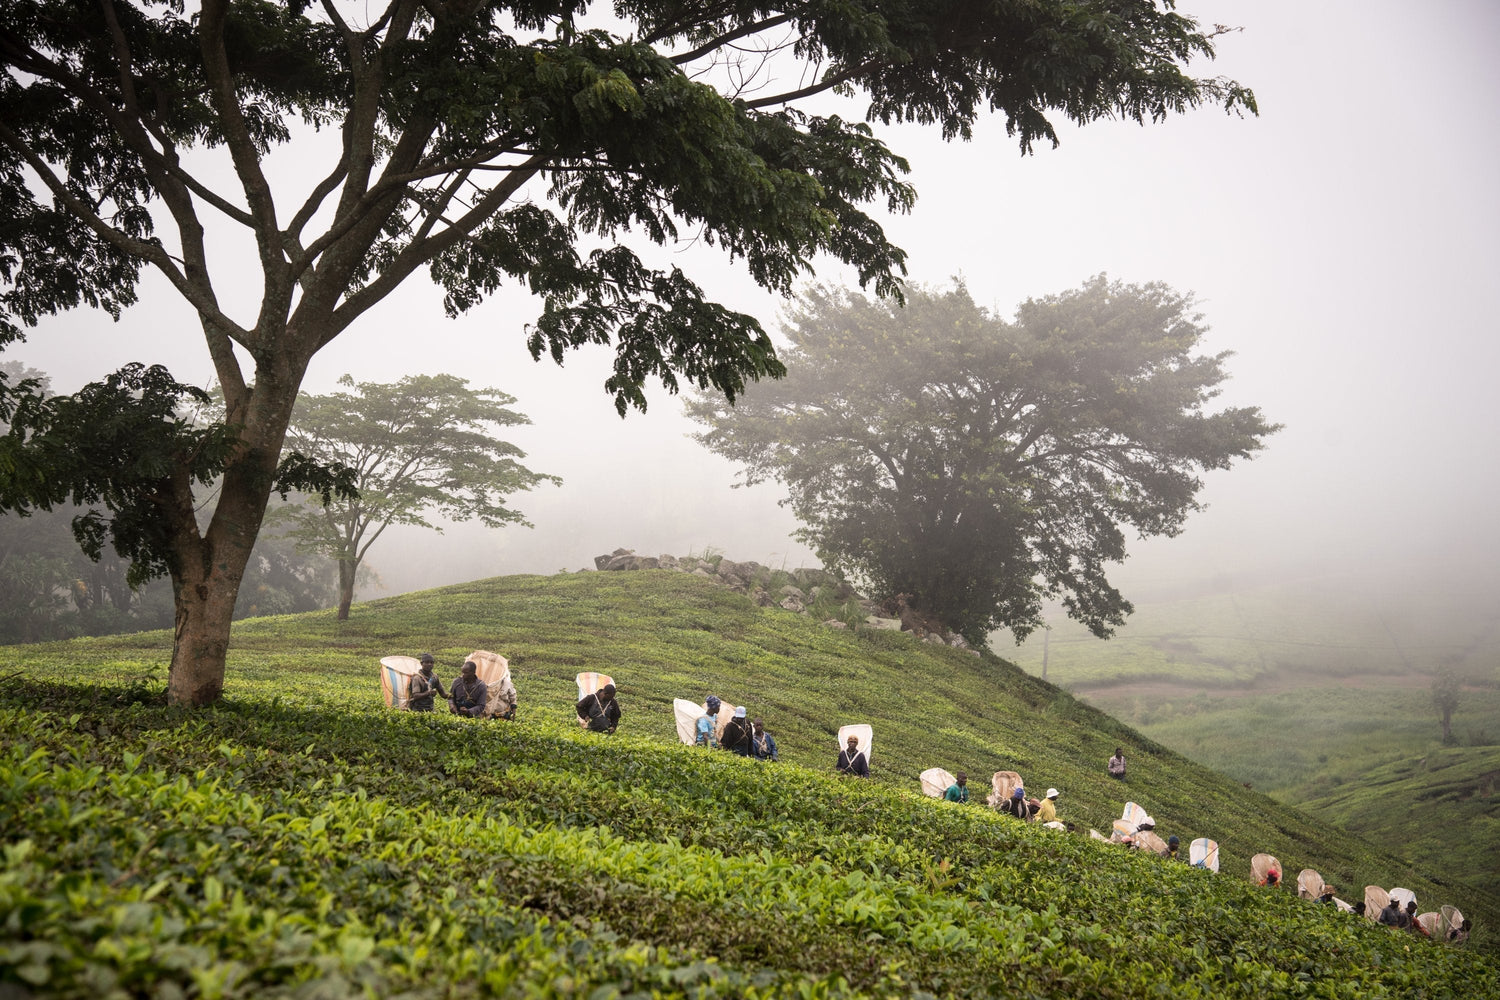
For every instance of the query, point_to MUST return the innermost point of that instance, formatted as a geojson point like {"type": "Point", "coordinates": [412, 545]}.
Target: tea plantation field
{"type": "Point", "coordinates": [1318, 693]}
{"type": "Point", "coordinates": [300, 839]}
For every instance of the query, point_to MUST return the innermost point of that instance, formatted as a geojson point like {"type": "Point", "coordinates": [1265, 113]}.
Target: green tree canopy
{"type": "Point", "coordinates": [420, 447]}
{"type": "Point", "coordinates": [976, 466]}
{"type": "Point", "coordinates": [539, 142]}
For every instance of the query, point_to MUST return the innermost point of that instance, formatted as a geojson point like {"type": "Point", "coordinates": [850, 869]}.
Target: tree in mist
{"type": "Point", "coordinates": [1447, 694]}
{"type": "Point", "coordinates": [281, 580]}
{"type": "Point", "coordinates": [483, 142]}
{"type": "Point", "coordinates": [421, 447]}
{"type": "Point", "coordinates": [975, 466]}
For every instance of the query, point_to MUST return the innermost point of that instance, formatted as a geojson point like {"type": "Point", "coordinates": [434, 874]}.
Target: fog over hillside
{"type": "Point", "coordinates": [1342, 245]}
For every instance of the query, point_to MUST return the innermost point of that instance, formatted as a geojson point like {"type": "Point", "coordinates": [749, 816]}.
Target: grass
{"type": "Point", "coordinates": [1305, 691]}
{"type": "Point", "coordinates": [301, 839]}
{"type": "Point", "coordinates": [1450, 820]}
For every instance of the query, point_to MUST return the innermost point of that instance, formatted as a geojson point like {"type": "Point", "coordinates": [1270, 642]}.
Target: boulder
{"type": "Point", "coordinates": [602, 561]}
{"type": "Point", "coordinates": [875, 621]}
{"type": "Point", "coordinates": [630, 561]}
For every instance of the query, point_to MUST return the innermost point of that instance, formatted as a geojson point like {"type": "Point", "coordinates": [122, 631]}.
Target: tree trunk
{"type": "Point", "coordinates": [205, 609]}
{"type": "Point", "coordinates": [347, 568]}
{"type": "Point", "coordinates": [208, 566]}
{"type": "Point", "coordinates": [206, 572]}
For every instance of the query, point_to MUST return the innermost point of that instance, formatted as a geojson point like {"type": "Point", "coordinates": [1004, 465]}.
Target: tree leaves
{"type": "Point", "coordinates": [121, 450]}
{"type": "Point", "coordinates": [135, 129]}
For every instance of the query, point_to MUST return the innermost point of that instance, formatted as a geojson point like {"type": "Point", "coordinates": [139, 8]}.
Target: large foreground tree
{"type": "Point", "coordinates": [425, 445]}
{"type": "Point", "coordinates": [976, 466]}
{"type": "Point", "coordinates": [487, 142]}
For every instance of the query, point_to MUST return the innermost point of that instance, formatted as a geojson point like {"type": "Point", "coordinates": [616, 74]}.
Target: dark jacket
{"type": "Point", "coordinates": [601, 716]}
{"type": "Point", "coordinates": [469, 697]}
{"type": "Point", "coordinates": [766, 752]}
{"type": "Point", "coordinates": [1019, 808]}
{"type": "Point", "coordinates": [855, 765]}
{"type": "Point", "coordinates": [736, 737]}
{"type": "Point", "coordinates": [423, 683]}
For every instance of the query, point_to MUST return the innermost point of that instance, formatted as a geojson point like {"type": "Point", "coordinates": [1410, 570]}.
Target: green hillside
{"type": "Point", "coordinates": [301, 839]}
{"type": "Point", "coordinates": [1450, 817]}
{"type": "Point", "coordinates": [1308, 691]}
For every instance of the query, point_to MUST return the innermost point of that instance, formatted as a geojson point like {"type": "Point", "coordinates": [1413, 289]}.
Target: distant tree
{"type": "Point", "coordinates": [969, 466]}
{"type": "Point", "coordinates": [280, 580]}
{"type": "Point", "coordinates": [484, 142]}
{"type": "Point", "coordinates": [424, 446]}
{"type": "Point", "coordinates": [1447, 695]}
{"type": "Point", "coordinates": [34, 557]}
{"type": "Point", "coordinates": [50, 590]}
{"type": "Point", "coordinates": [35, 574]}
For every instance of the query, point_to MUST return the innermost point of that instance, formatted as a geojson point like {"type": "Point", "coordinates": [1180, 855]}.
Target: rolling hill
{"type": "Point", "coordinates": [1317, 692]}
{"type": "Point", "coordinates": [302, 839]}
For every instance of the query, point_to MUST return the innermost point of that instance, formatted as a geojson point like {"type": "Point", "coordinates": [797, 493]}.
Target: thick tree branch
{"type": "Point", "coordinates": [153, 253]}
{"type": "Point", "coordinates": [361, 123]}
{"type": "Point", "coordinates": [245, 156]}
{"type": "Point", "coordinates": [418, 253]}
{"type": "Point", "coordinates": [306, 257]}
{"type": "Point", "coordinates": [29, 60]}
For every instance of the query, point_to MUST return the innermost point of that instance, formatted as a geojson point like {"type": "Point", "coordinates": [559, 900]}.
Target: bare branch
{"type": "Point", "coordinates": [201, 298]}
{"type": "Point", "coordinates": [828, 83]}
{"type": "Point", "coordinates": [744, 31]}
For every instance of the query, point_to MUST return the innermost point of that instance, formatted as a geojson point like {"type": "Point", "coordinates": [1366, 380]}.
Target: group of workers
{"type": "Point", "coordinates": [1403, 915]}
{"type": "Point", "coordinates": [1393, 914]}
{"type": "Point", "coordinates": [599, 711]}
{"type": "Point", "coordinates": [1136, 829]}
{"type": "Point", "coordinates": [468, 695]}
{"type": "Point", "coordinates": [739, 734]}
{"type": "Point", "coordinates": [1017, 803]}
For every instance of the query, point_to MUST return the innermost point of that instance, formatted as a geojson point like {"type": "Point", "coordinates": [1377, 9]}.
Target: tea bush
{"type": "Point", "coordinates": [302, 840]}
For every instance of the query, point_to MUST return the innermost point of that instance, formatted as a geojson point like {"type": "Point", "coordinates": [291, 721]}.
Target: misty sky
{"type": "Point", "coordinates": [1345, 245]}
